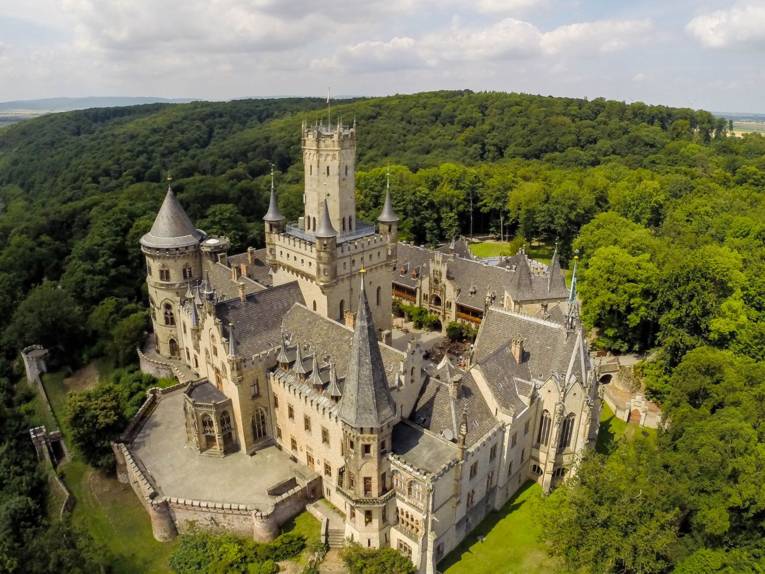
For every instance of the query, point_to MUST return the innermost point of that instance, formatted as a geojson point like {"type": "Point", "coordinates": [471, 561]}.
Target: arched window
{"type": "Point", "coordinates": [342, 309]}
{"type": "Point", "coordinates": [187, 274]}
{"type": "Point", "coordinates": [259, 424]}
{"type": "Point", "coordinates": [544, 428]}
{"type": "Point", "coordinates": [208, 429]}
{"type": "Point", "coordinates": [225, 422]}
{"type": "Point", "coordinates": [169, 315]}
{"type": "Point", "coordinates": [173, 348]}
{"type": "Point", "coordinates": [567, 431]}
{"type": "Point", "coordinates": [377, 296]}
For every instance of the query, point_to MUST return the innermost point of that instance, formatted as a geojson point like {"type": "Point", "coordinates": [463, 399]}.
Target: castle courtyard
{"type": "Point", "coordinates": [179, 471]}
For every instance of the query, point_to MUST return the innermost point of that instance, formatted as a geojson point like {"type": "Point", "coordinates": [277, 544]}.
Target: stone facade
{"type": "Point", "coordinates": [281, 357]}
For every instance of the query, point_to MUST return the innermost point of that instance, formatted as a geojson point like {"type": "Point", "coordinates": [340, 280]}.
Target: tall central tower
{"type": "Point", "coordinates": [329, 157]}
{"type": "Point", "coordinates": [327, 248]}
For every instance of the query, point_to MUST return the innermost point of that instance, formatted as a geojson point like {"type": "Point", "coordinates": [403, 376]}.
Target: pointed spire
{"type": "Point", "coordinates": [282, 358]}
{"type": "Point", "coordinates": [572, 290]}
{"type": "Point", "coordinates": [325, 230]}
{"type": "Point", "coordinates": [315, 379]}
{"type": "Point", "coordinates": [273, 213]}
{"type": "Point", "coordinates": [366, 401]}
{"type": "Point", "coordinates": [197, 295]}
{"type": "Point", "coordinates": [189, 293]}
{"type": "Point", "coordinates": [387, 215]}
{"type": "Point", "coordinates": [333, 388]}
{"type": "Point", "coordinates": [231, 341]}
{"type": "Point", "coordinates": [298, 366]}
{"type": "Point", "coordinates": [554, 274]}
{"type": "Point", "coordinates": [522, 288]}
{"type": "Point", "coordinates": [573, 305]}
{"type": "Point", "coordinates": [172, 228]}
{"type": "Point", "coordinates": [194, 312]}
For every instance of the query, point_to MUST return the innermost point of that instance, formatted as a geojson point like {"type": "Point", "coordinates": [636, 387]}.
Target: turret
{"type": "Point", "coordinates": [274, 224]}
{"type": "Point", "coordinates": [387, 223]}
{"type": "Point", "coordinates": [173, 260]}
{"type": "Point", "coordinates": [326, 249]}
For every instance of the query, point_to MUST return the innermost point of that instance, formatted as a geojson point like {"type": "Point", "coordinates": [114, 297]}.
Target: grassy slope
{"type": "Point", "coordinates": [511, 541]}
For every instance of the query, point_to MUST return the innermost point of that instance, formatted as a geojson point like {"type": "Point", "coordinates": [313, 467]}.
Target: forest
{"type": "Point", "coordinates": [663, 206]}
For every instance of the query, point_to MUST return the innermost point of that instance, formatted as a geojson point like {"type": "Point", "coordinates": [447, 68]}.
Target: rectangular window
{"type": "Point", "coordinates": [164, 275]}
{"type": "Point", "coordinates": [307, 423]}
{"type": "Point", "coordinates": [367, 486]}
{"type": "Point", "coordinates": [324, 436]}
{"type": "Point", "coordinates": [255, 389]}
{"type": "Point", "coordinates": [367, 517]}
{"type": "Point", "coordinates": [384, 516]}
{"type": "Point", "coordinates": [327, 469]}
{"type": "Point", "coordinates": [352, 513]}
{"type": "Point", "coordinates": [350, 445]}
{"type": "Point", "coordinates": [514, 440]}
{"type": "Point", "coordinates": [473, 470]}
{"type": "Point", "coordinates": [493, 452]}
{"type": "Point", "coordinates": [523, 454]}
{"type": "Point", "coordinates": [293, 443]}
{"type": "Point", "coordinates": [367, 449]}
{"type": "Point", "coordinates": [291, 412]}
{"type": "Point", "coordinates": [526, 428]}
{"type": "Point", "coordinates": [383, 448]}
{"type": "Point", "coordinates": [351, 480]}
{"type": "Point", "coordinates": [276, 402]}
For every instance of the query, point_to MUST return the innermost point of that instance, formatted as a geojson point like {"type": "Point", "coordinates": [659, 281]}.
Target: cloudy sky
{"type": "Point", "coordinates": [706, 53]}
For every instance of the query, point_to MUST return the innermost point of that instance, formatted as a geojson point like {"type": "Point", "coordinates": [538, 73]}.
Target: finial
{"type": "Point", "coordinates": [272, 177]}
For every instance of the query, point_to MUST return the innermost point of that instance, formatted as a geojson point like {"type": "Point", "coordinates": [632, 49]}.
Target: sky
{"type": "Point", "coordinates": [703, 54]}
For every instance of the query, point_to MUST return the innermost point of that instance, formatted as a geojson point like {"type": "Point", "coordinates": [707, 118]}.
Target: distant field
{"type": "Point", "coordinates": [748, 127]}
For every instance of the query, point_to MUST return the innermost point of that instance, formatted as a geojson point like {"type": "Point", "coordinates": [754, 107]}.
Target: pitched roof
{"type": "Point", "coordinates": [458, 246]}
{"type": "Point", "coordinates": [410, 260]}
{"type": "Point", "coordinates": [366, 400]}
{"type": "Point", "coordinates": [258, 270]}
{"type": "Point", "coordinates": [257, 320]}
{"type": "Point", "coordinates": [172, 228]}
{"type": "Point", "coordinates": [420, 449]}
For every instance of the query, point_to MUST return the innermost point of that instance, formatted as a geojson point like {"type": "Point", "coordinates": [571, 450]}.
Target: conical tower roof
{"type": "Point", "coordinates": [555, 279]}
{"type": "Point", "coordinates": [273, 213]}
{"type": "Point", "coordinates": [366, 401]}
{"type": "Point", "coordinates": [521, 286]}
{"type": "Point", "coordinates": [172, 227]}
{"type": "Point", "coordinates": [333, 388]}
{"type": "Point", "coordinates": [387, 215]}
{"type": "Point", "coordinates": [325, 230]}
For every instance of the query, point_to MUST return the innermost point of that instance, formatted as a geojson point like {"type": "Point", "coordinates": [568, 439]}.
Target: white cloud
{"type": "Point", "coordinates": [507, 6]}
{"type": "Point", "coordinates": [602, 36]}
{"type": "Point", "coordinates": [398, 53]}
{"type": "Point", "coordinates": [742, 24]}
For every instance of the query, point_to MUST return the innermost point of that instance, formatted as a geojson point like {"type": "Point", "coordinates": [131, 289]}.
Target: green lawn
{"type": "Point", "coordinates": [612, 429]}
{"type": "Point", "coordinates": [104, 507]}
{"type": "Point", "coordinates": [510, 541]}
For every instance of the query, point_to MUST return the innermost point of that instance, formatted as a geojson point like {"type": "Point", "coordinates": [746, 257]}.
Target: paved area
{"type": "Point", "coordinates": [179, 471]}
{"type": "Point", "coordinates": [427, 339]}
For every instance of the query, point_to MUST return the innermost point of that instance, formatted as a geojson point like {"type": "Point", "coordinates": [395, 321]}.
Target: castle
{"type": "Point", "coordinates": [293, 386]}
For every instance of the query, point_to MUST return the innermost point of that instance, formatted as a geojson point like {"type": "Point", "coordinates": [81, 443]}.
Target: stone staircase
{"type": "Point", "coordinates": [336, 538]}
{"type": "Point", "coordinates": [333, 522]}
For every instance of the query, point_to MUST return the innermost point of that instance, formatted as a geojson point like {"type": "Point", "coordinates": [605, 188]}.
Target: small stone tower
{"type": "Point", "coordinates": [368, 413]}
{"type": "Point", "coordinates": [173, 262]}
{"type": "Point", "coordinates": [387, 224]}
{"type": "Point", "coordinates": [274, 224]}
{"type": "Point", "coordinates": [329, 157]}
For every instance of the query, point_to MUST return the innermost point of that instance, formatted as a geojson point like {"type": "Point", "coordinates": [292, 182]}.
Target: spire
{"type": "Point", "coordinates": [572, 290]}
{"type": "Point", "coordinates": [231, 341]}
{"type": "Point", "coordinates": [366, 401]}
{"type": "Point", "coordinates": [387, 215]}
{"type": "Point", "coordinates": [172, 228]}
{"type": "Point", "coordinates": [555, 274]}
{"type": "Point", "coordinates": [522, 288]}
{"type": "Point", "coordinates": [325, 230]}
{"type": "Point", "coordinates": [282, 358]}
{"type": "Point", "coordinates": [573, 306]}
{"type": "Point", "coordinates": [197, 295]}
{"type": "Point", "coordinates": [315, 379]}
{"type": "Point", "coordinates": [194, 312]}
{"type": "Point", "coordinates": [273, 213]}
{"type": "Point", "coordinates": [333, 388]}
{"type": "Point", "coordinates": [298, 366]}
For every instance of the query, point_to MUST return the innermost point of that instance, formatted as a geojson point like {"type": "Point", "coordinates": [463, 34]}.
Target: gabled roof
{"type": "Point", "coordinates": [172, 228]}
{"type": "Point", "coordinates": [366, 400]}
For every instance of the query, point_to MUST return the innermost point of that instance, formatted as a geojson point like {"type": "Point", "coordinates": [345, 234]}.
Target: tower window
{"type": "Point", "coordinates": [164, 274]}
{"type": "Point", "coordinates": [169, 316]}
{"type": "Point", "coordinates": [327, 171]}
{"type": "Point", "coordinates": [187, 273]}
{"type": "Point", "coordinates": [378, 295]}
{"type": "Point", "coordinates": [346, 171]}
{"type": "Point", "coordinates": [310, 170]}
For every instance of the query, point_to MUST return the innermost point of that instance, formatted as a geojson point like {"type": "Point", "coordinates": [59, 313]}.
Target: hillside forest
{"type": "Point", "coordinates": [665, 209]}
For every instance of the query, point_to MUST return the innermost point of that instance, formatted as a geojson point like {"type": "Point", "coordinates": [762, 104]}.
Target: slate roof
{"type": "Point", "coordinates": [257, 321]}
{"type": "Point", "coordinates": [206, 393]}
{"type": "Point", "coordinates": [258, 270]}
{"type": "Point", "coordinates": [458, 247]}
{"type": "Point", "coordinates": [225, 287]}
{"type": "Point", "coordinates": [436, 411]}
{"type": "Point", "coordinates": [327, 336]}
{"type": "Point", "coordinates": [421, 450]}
{"type": "Point", "coordinates": [411, 259]}
{"type": "Point", "coordinates": [548, 347]}
{"type": "Point", "coordinates": [366, 400]}
{"type": "Point", "coordinates": [387, 215]}
{"type": "Point", "coordinates": [172, 228]}
{"type": "Point", "coordinates": [510, 381]}
{"type": "Point", "coordinates": [325, 230]}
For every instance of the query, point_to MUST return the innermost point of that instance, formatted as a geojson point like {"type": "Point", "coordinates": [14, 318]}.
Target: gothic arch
{"type": "Point", "coordinates": [566, 431]}
{"type": "Point", "coordinates": [544, 428]}
{"type": "Point", "coordinates": [168, 314]}
{"type": "Point", "coordinates": [259, 424]}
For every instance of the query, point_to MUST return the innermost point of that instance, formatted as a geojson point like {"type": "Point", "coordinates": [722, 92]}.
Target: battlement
{"type": "Point", "coordinates": [326, 135]}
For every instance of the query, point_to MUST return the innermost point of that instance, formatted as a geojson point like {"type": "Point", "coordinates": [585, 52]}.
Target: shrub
{"type": "Point", "coordinates": [457, 331]}
{"type": "Point", "coordinates": [376, 561]}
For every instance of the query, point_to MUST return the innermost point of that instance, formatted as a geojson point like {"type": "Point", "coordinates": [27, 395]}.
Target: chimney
{"type": "Point", "coordinates": [251, 255]}
{"type": "Point", "coordinates": [455, 386]}
{"type": "Point", "coordinates": [242, 294]}
{"type": "Point", "coordinates": [516, 347]}
{"type": "Point", "coordinates": [350, 319]}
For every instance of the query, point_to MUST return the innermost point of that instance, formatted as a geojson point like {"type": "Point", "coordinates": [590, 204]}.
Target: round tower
{"type": "Point", "coordinates": [274, 225]}
{"type": "Point", "coordinates": [173, 261]}
{"type": "Point", "coordinates": [387, 224]}
{"type": "Point", "coordinates": [326, 250]}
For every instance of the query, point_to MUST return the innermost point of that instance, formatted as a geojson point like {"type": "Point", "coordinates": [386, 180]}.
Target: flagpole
{"type": "Point", "coordinates": [329, 110]}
